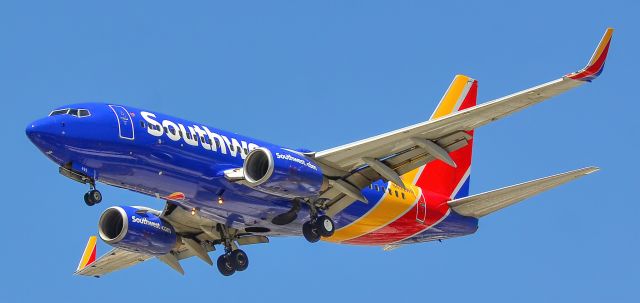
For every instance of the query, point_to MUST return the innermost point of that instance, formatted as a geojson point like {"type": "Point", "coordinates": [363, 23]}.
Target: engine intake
{"type": "Point", "coordinates": [127, 228]}
{"type": "Point", "coordinates": [282, 172]}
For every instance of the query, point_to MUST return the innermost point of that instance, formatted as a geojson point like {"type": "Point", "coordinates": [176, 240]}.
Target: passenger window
{"type": "Point", "coordinates": [396, 193]}
{"type": "Point", "coordinates": [390, 191]}
{"type": "Point", "coordinates": [173, 131]}
{"type": "Point", "coordinates": [403, 196]}
{"type": "Point", "coordinates": [142, 124]}
{"type": "Point", "coordinates": [246, 151]}
{"type": "Point", "coordinates": [377, 188]}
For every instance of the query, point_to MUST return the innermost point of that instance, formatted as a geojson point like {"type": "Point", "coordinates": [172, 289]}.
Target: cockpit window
{"type": "Point", "coordinates": [71, 111]}
{"type": "Point", "coordinates": [59, 112]}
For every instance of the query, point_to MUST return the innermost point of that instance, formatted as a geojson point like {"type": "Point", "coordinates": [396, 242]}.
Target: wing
{"type": "Point", "coordinates": [402, 150]}
{"type": "Point", "coordinates": [483, 204]}
{"type": "Point", "coordinates": [198, 237]}
{"type": "Point", "coordinates": [118, 259]}
{"type": "Point", "coordinates": [114, 260]}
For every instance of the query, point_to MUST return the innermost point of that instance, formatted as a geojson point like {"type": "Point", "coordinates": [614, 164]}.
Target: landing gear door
{"type": "Point", "coordinates": [125, 123]}
{"type": "Point", "coordinates": [421, 209]}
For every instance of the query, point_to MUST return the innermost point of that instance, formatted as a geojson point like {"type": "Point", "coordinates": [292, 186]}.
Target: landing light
{"type": "Point", "coordinates": [220, 200]}
{"type": "Point", "coordinates": [193, 211]}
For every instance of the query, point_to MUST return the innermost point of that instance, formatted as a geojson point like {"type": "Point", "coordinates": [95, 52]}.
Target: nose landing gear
{"type": "Point", "coordinates": [93, 196]}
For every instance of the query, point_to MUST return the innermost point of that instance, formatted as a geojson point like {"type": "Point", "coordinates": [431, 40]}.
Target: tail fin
{"type": "Point", "coordinates": [89, 254]}
{"type": "Point", "coordinates": [437, 177]}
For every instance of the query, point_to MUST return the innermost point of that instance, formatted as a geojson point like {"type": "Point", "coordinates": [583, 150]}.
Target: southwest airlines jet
{"type": "Point", "coordinates": [223, 189]}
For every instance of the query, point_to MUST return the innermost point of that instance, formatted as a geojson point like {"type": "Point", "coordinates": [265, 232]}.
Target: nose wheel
{"type": "Point", "coordinates": [316, 228]}
{"type": "Point", "coordinates": [93, 196]}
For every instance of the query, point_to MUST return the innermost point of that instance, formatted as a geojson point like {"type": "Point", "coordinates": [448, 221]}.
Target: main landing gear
{"type": "Point", "coordinates": [314, 229]}
{"type": "Point", "coordinates": [318, 227]}
{"type": "Point", "coordinates": [93, 196]}
{"type": "Point", "coordinates": [233, 259]}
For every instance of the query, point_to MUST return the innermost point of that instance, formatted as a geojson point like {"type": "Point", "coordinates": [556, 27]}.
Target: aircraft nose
{"type": "Point", "coordinates": [39, 130]}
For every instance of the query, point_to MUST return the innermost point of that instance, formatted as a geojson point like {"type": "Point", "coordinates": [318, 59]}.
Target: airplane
{"type": "Point", "coordinates": [223, 189]}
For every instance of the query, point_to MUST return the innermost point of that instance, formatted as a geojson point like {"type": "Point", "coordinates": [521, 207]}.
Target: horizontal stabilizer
{"type": "Point", "coordinates": [483, 204]}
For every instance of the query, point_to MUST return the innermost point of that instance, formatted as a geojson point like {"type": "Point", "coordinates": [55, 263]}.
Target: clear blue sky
{"type": "Point", "coordinates": [318, 74]}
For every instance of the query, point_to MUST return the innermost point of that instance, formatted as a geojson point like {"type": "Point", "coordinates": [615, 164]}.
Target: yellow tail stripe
{"type": "Point", "coordinates": [88, 250]}
{"type": "Point", "coordinates": [451, 97]}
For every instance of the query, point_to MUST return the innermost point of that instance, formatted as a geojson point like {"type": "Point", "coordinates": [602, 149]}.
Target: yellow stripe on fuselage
{"type": "Point", "coordinates": [451, 97]}
{"type": "Point", "coordinates": [388, 209]}
{"type": "Point", "coordinates": [391, 207]}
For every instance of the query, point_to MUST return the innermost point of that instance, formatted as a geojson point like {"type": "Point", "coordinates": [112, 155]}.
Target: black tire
{"type": "Point", "coordinates": [225, 266]}
{"type": "Point", "coordinates": [87, 200]}
{"type": "Point", "coordinates": [324, 225]}
{"type": "Point", "coordinates": [95, 196]}
{"type": "Point", "coordinates": [240, 259]}
{"type": "Point", "coordinates": [310, 233]}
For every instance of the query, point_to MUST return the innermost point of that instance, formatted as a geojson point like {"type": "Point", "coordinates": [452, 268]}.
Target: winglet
{"type": "Point", "coordinates": [89, 255]}
{"type": "Point", "coordinates": [596, 64]}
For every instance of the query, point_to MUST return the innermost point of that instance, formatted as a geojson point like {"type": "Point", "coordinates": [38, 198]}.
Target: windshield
{"type": "Point", "coordinates": [71, 111]}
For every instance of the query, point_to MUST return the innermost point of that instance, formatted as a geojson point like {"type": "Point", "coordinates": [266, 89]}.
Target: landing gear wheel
{"type": "Point", "coordinates": [310, 232]}
{"type": "Point", "coordinates": [95, 196]}
{"type": "Point", "coordinates": [92, 197]}
{"type": "Point", "coordinates": [240, 259]}
{"type": "Point", "coordinates": [324, 226]}
{"type": "Point", "coordinates": [225, 265]}
{"type": "Point", "coordinates": [87, 200]}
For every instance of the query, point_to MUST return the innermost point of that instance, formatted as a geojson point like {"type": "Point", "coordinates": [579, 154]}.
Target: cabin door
{"type": "Point", "coordinates": [125, 123]}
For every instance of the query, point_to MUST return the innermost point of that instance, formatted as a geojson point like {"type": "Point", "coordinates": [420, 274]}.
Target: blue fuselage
{"type": "Point", "coordinates": [157, 155]}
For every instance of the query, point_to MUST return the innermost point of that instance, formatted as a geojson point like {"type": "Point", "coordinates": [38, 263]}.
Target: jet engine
{"type": "Point", "coordinates": [136, 229]}
{"type": "Point", "coordinates": [283, 172]}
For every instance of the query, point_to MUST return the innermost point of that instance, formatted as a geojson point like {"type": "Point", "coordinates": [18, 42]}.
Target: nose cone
{"type": "Point", "coordinates": [43, 132]}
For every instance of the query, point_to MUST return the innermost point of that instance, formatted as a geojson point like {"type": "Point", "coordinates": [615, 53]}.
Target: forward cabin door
{"type": "Point", "coordinates": [125, 123]}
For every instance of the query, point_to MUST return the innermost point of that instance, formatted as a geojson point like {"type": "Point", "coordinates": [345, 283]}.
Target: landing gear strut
{"type": "Point", "coordinates": [93, 196]}
{"type": "Point", "coordinates": [233, 259]}
{"type": "Point", "coordinates": [318, 227]}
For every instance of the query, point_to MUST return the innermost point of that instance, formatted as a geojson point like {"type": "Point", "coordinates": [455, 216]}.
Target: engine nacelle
{"type": "Point", "coordinates": [135, 229]}
{"type": "Point", "coordinates": [283, 173]}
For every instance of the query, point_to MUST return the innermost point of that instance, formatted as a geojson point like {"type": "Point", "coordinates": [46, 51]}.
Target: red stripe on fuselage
{"type": "Point", "coordinates": [438, 182]}
{"type": "Point", "coordinates": [434, 179]}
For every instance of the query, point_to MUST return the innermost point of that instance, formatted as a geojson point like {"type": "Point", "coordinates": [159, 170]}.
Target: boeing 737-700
{"type": "Point", "coordinates": [223, 189]}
